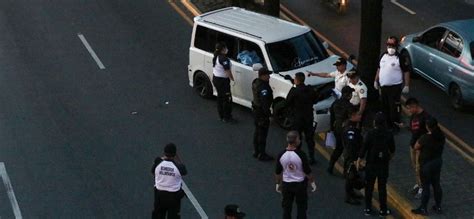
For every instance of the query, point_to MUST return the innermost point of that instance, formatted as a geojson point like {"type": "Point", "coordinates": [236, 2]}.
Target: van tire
{"type": "Point", "coordinates": [202, 85]}
{"type": "Point", "coordinates": [281, 114]}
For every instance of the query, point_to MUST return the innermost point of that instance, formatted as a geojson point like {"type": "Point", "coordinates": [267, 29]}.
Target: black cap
{"type": "Point", "coordinates": [170, 150]}
{"type": "Point", "coordinates": [347, 90]}
{"type": "Point", "coordinates": [264, 71]}
{"type": "Point", "coordinates": [234, 210]}
{"type": "Point", "coordinates": [352, 73]}
{"type": "Point", "coordinates": [340, 61]}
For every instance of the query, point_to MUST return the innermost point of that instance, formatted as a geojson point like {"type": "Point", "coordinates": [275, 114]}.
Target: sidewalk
{"type": "Point", "coordinates": [457, 176]}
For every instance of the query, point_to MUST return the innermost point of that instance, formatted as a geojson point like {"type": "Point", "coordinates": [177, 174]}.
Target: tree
{"type": "Point", "coordinates": [272, 7]}
{"type": "Point", "coordinates": [369, 45]}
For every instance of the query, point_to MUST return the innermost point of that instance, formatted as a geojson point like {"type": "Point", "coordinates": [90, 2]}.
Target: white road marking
{"type": "Point", "coordinates": [194, 202]}
{"type": "Point", "coordinates": [11, 194]}
{"type": "Point", "coordinates": [91, 51]}
{"type": "Point", "coordinates": [403, 7]}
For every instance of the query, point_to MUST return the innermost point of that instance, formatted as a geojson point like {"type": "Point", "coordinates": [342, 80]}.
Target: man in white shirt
{"type": "Point", "coordinates": [393, 74]}
{"type": "Point", "coordinates": [339, 75]}
{"type": "Point", "coordinates": [292, 175]}
{"type": "Point", "coordinates": [359, 95]}
{"type": "Point", "coordinates": [168, 171]}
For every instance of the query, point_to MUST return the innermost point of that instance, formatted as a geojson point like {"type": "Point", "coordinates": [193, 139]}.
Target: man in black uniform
{"type": "Point", "coordinates": [168, 172]}
{"type": "Point", "coordinates": [262, 101]}
{"type": "Point", "coordinates": [301, 99]}
{"type": "Point", "coordinates": [339, 113]}
{"type": "Point", "coordinates": [378, 148]}
{"type": "Point", "coordinates": [352, 142]}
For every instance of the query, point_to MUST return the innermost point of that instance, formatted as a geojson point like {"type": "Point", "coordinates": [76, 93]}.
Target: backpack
{"type": "Point", "coordinates": [379, 151]}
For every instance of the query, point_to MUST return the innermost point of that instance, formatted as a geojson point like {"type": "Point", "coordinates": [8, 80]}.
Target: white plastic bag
{"type": "Point", "coordinates": [330, 140]}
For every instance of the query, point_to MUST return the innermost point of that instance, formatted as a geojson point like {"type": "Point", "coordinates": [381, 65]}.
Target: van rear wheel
{"type": "Point", "coordinates": [202, 85]}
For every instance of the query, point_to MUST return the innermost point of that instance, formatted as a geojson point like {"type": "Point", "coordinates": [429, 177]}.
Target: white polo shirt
{"type": "Point", "coordinates": [293, 166]}
{"type": "Point", "coordinates": [390, 72]}
{"type": "Point", "coordinates": [167, 177]}
{"type": "Point", "coordinates": [360, 92]}
{"type": "Point", "coordinates": [340, 79]}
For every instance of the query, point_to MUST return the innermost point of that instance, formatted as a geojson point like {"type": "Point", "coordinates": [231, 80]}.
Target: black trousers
{"type": "Point", "coordinates": [224, 97]}
{"type": "Point", "coordinates": [338, 150]}
{"type": "Point", "coordinates": [294, 191]}
{"type": "Point", "coordinates": [349, 185]}
{"type": "Point", "coordinates": [377, 172]}
{"type": "Point", "coordinates": [306, 126]}
{"type": "Point", "coordinates": [262, 124]}
{"type": "Point", "coordinates": [430, 176]}
{"type": "Point", "coordinates": [391, 103]}
{"type": "Point", "coordinates": [167, 205]}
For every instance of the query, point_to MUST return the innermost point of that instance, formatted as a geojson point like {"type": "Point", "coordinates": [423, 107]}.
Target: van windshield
{"type": "Point", "coordinates": [296, 52]}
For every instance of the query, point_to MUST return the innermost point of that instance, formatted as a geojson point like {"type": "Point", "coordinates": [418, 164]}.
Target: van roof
{"type": "Point", "coordinates": [266, 28]}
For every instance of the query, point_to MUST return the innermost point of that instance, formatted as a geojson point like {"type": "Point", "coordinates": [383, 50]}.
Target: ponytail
{"type": "Point", "coordinates": [218, 50]}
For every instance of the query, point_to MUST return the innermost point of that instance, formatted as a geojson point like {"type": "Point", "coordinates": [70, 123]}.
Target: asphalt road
{"type": "Point", "coordinates": [344, 31]}
{"type": "Point", "coordinates": [70, 140]}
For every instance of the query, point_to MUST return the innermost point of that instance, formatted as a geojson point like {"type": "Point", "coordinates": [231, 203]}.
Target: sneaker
{"type": "Point", "coordinates": [419, 193]}
{"type": "Point", "coordinates": [229, 120]}
{"type": "Point", "coordinates": [265, 157]}
{"type": "Point", "coordinates": [437, 209]}
{"type": "Point", "coordinates": [419, 210]}
{"type": "Point", "coordinates": [368, 212]}
{"type": "Point", "coordinates": [415, 189]}
{"type": "Point", "coordinates": [255, 154]}
{"type": "Point", "coordinates": [385, 213]}
{"type": "Point", "coordinates": [352, 201]}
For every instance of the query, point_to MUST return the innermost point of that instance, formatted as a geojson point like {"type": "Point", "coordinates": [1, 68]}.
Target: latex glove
{"type": "Point", "coordinates": [406, 90]}
{"type": "Point", "coordinates": [277, 188]}
{"type": "Point", "coordinates": [313, 187]}
{"type": "Point", "coordinates": [376, 85]}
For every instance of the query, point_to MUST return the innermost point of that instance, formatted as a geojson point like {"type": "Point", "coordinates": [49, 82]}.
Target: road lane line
{"type": "Point", "coordinates": [181, 12]}
{"type": "Point", "coordinates": [10, 192]}
{"type": "Point", "coordinates": [91, 51]}
{"type": "Point", "coordinates": [403, 7]}
{"type": "Point", "coordinates": [194, 201]}
{"type": "Point", "coordinates": [191, 7]}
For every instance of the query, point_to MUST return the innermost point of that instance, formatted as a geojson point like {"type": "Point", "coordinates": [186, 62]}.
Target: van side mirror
{"type": "Point", "coordinates": [257, 66]}
{"type": "Point", "coordinates": [416, 39]}
{"type": "Point", "coordinates": [326, 45]}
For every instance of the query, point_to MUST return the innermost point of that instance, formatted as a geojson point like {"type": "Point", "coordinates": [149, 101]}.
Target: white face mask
{"type": "Point", "coordinates": [391, 51]}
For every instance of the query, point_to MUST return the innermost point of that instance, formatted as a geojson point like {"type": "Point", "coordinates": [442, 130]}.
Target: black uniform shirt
{"type": "Point", "coordinates": [302, 98]}
{"type": "Point", "coordinates": [339, 112]}
{"type": "Point", "coordinates": [431, 148]}
{"type": "Point", "coordinates": [376, 138]}
{"type": "Point", "coordinates": [418, 126]}
{"type": "Point", "coordinates": [352, 141]}
{"type": "Point", "coordinates": [262, 96]}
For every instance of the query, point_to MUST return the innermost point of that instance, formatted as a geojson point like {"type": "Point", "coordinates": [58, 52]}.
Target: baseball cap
{"type": "Point", "coordinates": [234, 210]}
{"type": "Point", "coordinates": [264, 71]}
{"type": "Point", "coordinates": [340, 61]}
{"type": "Point", "coordinates": [170, 149]}
{"type": "Point", "coordinates": [352, 73]}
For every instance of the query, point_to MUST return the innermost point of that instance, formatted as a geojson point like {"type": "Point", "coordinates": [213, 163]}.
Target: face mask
{"type": "Point", "coordinates": [225, 51]}
{"type": "Point", "coordinates": [391, 51]}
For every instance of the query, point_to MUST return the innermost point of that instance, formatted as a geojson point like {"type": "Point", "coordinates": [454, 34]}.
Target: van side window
{"type": "Point", "coordinates": [472, 50]}
{"type": "Point", "coordinates": [205, 39]}
{"type": "Point", "coordinates": [231, 43]}
{"type": "Point", "coordinates": [249, 53]}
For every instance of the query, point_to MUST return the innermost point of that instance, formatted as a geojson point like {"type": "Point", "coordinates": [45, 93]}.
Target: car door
{"type": "Point", "coordinates": [447, 63]}
{"type": "Point", "coordinates": [249, 53]}
{"type": "Point", "coordinates": [426, 49]}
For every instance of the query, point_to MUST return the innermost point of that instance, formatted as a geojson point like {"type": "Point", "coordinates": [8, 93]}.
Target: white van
{"type": "Point", "coordinates": [283, 47]}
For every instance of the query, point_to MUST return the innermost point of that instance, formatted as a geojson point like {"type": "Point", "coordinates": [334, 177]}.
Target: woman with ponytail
{"type": "Point", "coordinates": [431, 147]}
{"type": "Point", "coordinates": [221, 80]}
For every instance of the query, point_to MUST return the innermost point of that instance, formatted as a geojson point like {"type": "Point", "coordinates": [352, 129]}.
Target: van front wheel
{"type": "Point", "coordinates": [202, 85]}
{"type": "Point", "coordinates": [281, 114]}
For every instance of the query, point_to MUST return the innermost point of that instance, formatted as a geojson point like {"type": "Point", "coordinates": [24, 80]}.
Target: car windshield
{"type": "Point", "coordinates": [296, 52]}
